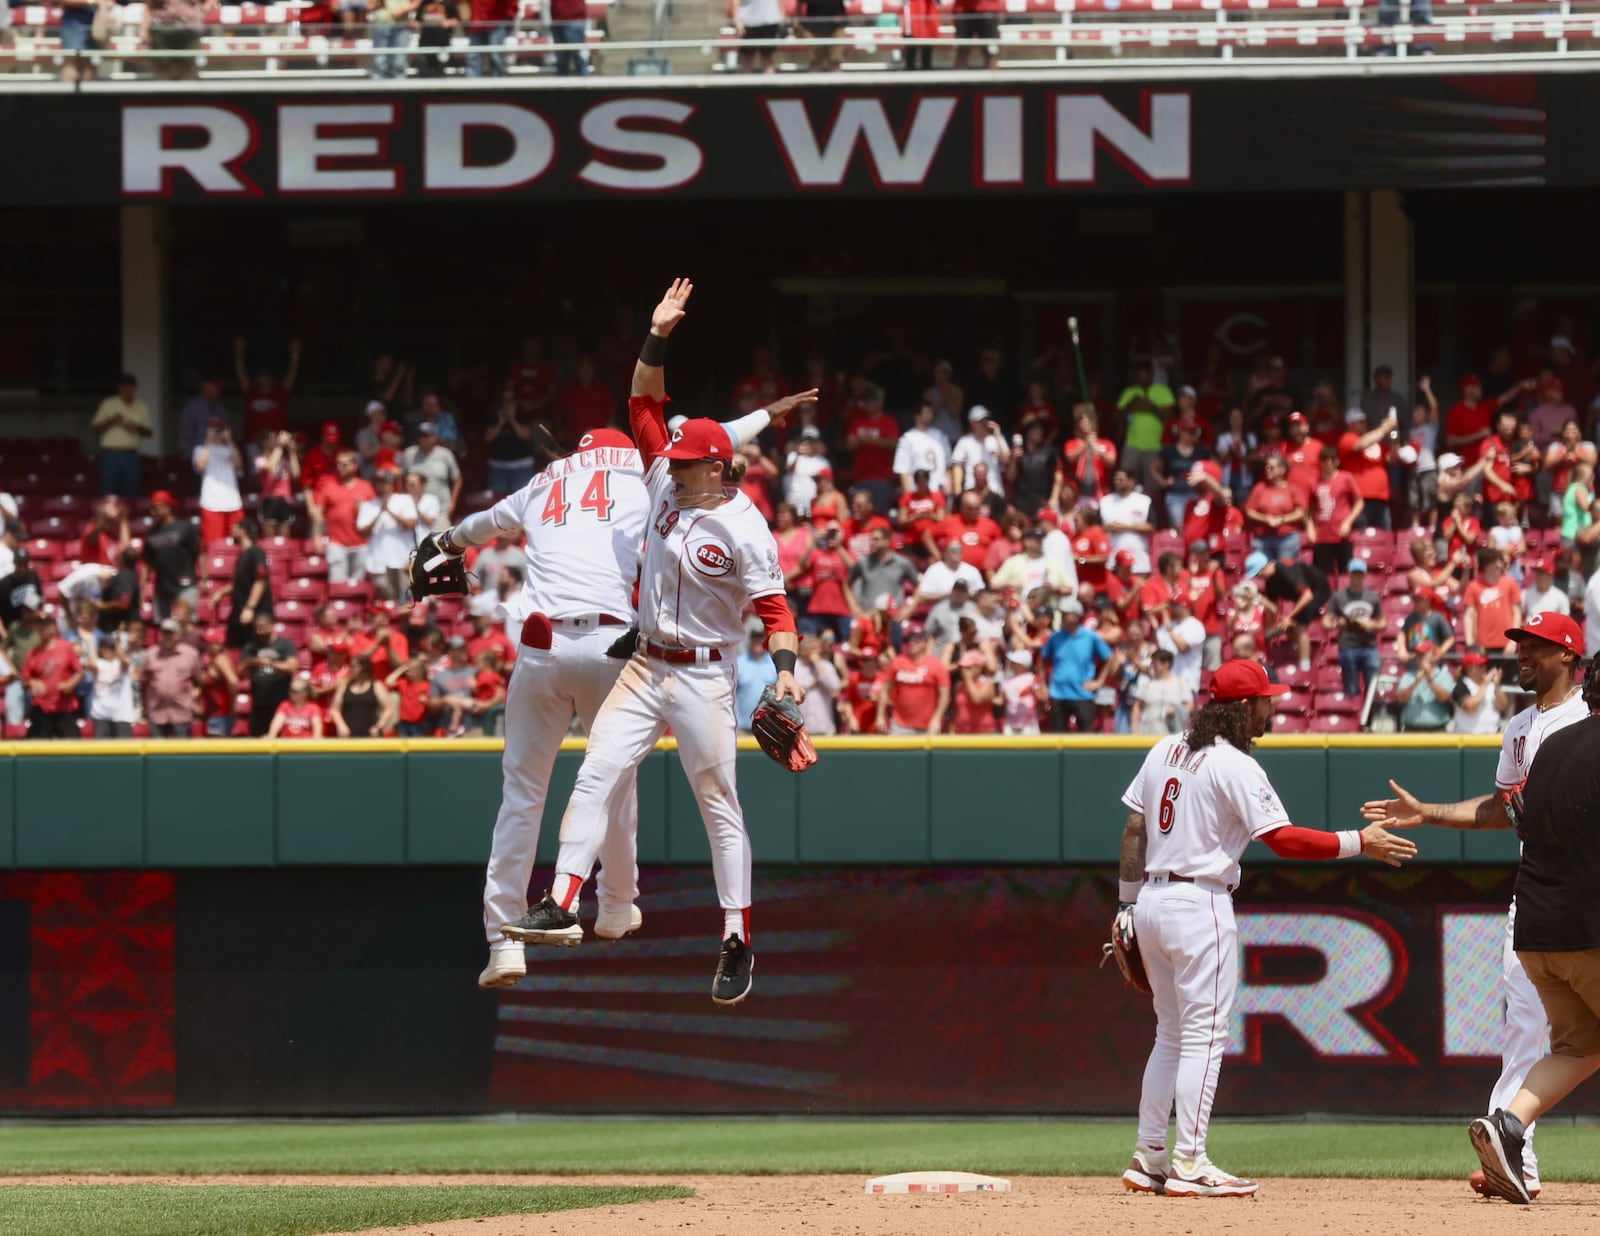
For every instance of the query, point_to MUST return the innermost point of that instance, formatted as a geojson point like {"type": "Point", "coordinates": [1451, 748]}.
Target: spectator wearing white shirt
{"type": "Point", "coordinates": [1542, 596]}
{"type": "Point", "coordinates": [219, 463]}
{"type": "Point", "coordinates": [83, 583]}
{"type": "Point", "coordinates": [816, 672]}
{"type": "Point", "coordinates": [922, 448]}
{"type": "Point", "coordinates": [1032, 568]}
{"type": "Point", "coordinates": [983, 443]}
{"type": "Point", "coordinates": [940, 577]}
{"type": "Point", "coordinates": [800, 470]}
{"type": "Point", "coordinates": [1184, 636]}
{"type": "Point", "coordinates": [387, 522]}
{"type": "Point", "coordinates": [1480, 701]}
{"type": "Point", "coordinates": [428, 507]}
{"type": "Point", "coordinates": [1125, 516]}
{"type": "Point", "coordinates": [111, 692]}
{"type": "Point", "coordinates": [1058, 546]}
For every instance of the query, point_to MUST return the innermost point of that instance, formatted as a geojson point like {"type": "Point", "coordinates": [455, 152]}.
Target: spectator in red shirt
{"type": "Point", "coordinates": [1468, 423]}
{"type": "Point", "coordinates": [1301, 453]}
{"type": "Point", "coordinates": [918, 691]}
{"type": "Point", "coordinates": [866, 684]}
{"type": "Point", "coordinates": [410, 683]}
{"type": "Point", "coordinates": [219, 684]}
{"type": "Point", "coordinates": [487, 637]}
{"type": "Point", "coordinates": [266, 399]}
{"type": "Point", "coordinates": [857, 529]}
{"type": "Point", "coordinates": [1504, 478]}
{"type": "Point", "coordinates": [391, 446]}
{"type": "Point", "coordinates": [974, 530]}
{"type": "Point", "coordinates": [1091, 549]}
{"type": "Point", "coordinates": [532, 377]}
{"type": "Point", "coordinates": [1365, 454]}
{"type": "Point", "coordinates": [978, 31]}
{"type": "Point", "coordinates": [298, 716]}
{"type": "Point", "coordinates": [1492, 606]}
{"type": "Point", "coordinates": [107, 534]}
{"type": "Point", "coordinates": [585, 403]}
{"type": "Point", "coordinates": [333, 507]}
{"type": "Point", "coordinates": [1160, 590]}
{"type": "Point", "coordinates": [1275, 512]}
{"type": "Point", "coordinates": [832, 604]}
{"type": "Point", "coordinates": [1210, 515]}
{"type": "Point", "coordinates": [329, 668]}
{"type": "Point", "coordinates": [384, 646]}
{"type": "Point", "coordinates": [488, 684]}
{"type": "Point", "coordinates": [1202, 583]}
{"type": "Point", "coordinates": [974, 694]}
{"type": "Point", "coordinates": [1335, 507]}
{"type": "Point", "coordinates": [1087, 457]}
{"type": "Point", "coordinates": [318, 462]}
{"type": "Point", "coordinates": [279, 470]}
{"type": "Point", "coordinates": [51, 673]}
{"type": "Point", "coordinates": [870, 435]}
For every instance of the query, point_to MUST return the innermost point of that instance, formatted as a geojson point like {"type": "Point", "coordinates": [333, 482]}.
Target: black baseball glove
{"type": "Point", "coordinates": [433, 572]}
{"type": "Point", "coordinates": [1124, 950]}
{"type": "Point", "coordinates": [781, 731]}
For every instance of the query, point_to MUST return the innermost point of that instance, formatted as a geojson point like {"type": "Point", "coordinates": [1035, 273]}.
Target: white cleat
{"type": "Point", "coordinates": [614, 924]}
{"type": "Point", "coordinates": [1148, 1171]}
{"type": "Point", "coordinates": [1203, 1178]}
{"type": "Point", "coordinates": [506, 967]}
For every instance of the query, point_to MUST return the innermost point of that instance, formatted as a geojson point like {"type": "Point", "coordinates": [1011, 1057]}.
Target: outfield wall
{"type": "Point", "coordinates": [238, 928]}
{"type": "Point", "coordinates": [906, 802]}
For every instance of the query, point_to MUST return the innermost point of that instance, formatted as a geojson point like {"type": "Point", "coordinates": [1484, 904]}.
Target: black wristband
{"type": "Point", "coordinates": [654, 352]}
{"type": "Point", "coordinates": [784, 659]}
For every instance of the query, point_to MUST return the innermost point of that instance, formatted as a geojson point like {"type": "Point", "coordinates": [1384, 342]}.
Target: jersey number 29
{"type": "Point", "coordinates": [596, 498]}
{"type": "Point", "coordinates": [1169, 805]}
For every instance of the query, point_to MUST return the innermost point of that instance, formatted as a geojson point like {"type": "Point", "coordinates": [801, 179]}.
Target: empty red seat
{"type": "Point", "coordinates": [351, 590]}
{"type": "Point", "coordinates": [309, 565]}
{"type": "Point", "coordinates": [310, 591]}
{"type": "Point", "coordinates": [1296, 702]}
{"type": "Point", "coordinates": [1334, 723]}
{"type": "Point", "coordinates": [1337, 701]}
{"type": "Point", "coordinates": [43, 549]}
{"type": "Point", "coordinates": [1290, 723]}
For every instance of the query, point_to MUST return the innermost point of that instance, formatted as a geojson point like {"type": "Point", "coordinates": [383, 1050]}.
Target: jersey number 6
{"type": "Point", "coordinates": [1169, 805]}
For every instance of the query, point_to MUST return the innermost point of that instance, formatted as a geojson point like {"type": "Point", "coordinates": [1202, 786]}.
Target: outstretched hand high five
{"type": "Point", "coordinates": [1402, 811]}
{"type": "Point", "coordinates": [670, 311]}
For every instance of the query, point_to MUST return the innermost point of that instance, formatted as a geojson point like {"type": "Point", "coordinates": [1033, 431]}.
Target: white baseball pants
{"type": "Point", "coordinates": [1189, 944]}
{"type": "Point", "coordinates": [697, 702]}
{"type": "Point", "coordinates": [1526, 1038]}
{"type": "Point", "coordinates": [547, 686]}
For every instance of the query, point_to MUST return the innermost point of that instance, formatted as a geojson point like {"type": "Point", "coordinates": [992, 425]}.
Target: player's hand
{"type": "Point", "coordinates": [670, 311]}
{"type": "Point", "coordinates": [788, 686]}
{"type": "Point", "coordinates": [779, 409]}
{"type": "Point", "coordinates": [1402, 811]}
{"type": "Point", "coordinates": [1385, 846]}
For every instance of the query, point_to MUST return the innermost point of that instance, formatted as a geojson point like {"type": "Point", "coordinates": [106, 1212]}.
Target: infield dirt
{"type": "Point", "coordinates": [1037, 1205]}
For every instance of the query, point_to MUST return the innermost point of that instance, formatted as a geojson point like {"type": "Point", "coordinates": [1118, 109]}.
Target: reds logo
{"type": "Point", "coordinates": [710, 558]}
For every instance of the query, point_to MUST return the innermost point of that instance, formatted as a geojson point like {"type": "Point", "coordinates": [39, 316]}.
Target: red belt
{"type": "Point", "coordinates": [679, 656]}
{"type": "Point", "coordinates": [537, 631]}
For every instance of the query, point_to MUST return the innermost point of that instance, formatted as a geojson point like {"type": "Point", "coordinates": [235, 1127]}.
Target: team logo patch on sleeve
{"type": "Point", "coordinates": [773, 569]}
{"type": "Point", "coordinates": [710, 558]}
{"type": "Point", "coordinates": [1268, 800]}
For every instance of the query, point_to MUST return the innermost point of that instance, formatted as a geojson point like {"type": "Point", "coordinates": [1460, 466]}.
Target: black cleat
{"type": "Point", "coordinates": [1498, 1140]}
{"type": "Point", "coordinates": [734, 968]}
{"type": "Point", "coordinates": [546, 923]}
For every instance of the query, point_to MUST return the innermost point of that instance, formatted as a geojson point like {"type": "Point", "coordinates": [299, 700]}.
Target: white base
{"type": "Point", "coordinates": [937, 1182]}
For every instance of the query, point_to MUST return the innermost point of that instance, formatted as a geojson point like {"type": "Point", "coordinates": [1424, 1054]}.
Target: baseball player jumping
{"type": "Point", "coordinates": [1197, 801]}
{"type": "Point", "coordinates": [583, 517]}
{"type": "Point", "coordinates": [707, 554]}
{"type": "Point", "coordinates": [1549, 650]}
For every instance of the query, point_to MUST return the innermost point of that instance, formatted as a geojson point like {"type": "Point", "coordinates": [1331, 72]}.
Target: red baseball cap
{"type": "Point", "coordinates": [700, 438]}
{"type": "Point", "coordinates": [1474, 658]}
{"type": "Point", "coordinates": [330, 431]}
{"type": "Point", "coordinates": [1542, 564]}
{"type": "Point", "coordinates": [1209, 467]}
{"type": "Point", "coordinates": [214, 635]}
{"type": "Point", "coordinates": [390, 427]}
{"type": "Point", "coordinates": [1243, 679]}
{"type": "Point", "coordinates": [597, 438]}
{"type": "Point", "coordinates": [1470, 379]}
{"type": "Point", "coordinates": [164, 497]}
{"type": "Point", "coordinates": [1124, 558]}
{"type": "Point", "coordinates": [1187, 423]}
{"type": "Point", "coordinates": [1047, 515]}
{"type": "Point", "coordinates": [1298, 418]}
{"type": "Point", "coordinates": [1431, 597]}
{"type": "Point", "coordinates": [1558, 629]}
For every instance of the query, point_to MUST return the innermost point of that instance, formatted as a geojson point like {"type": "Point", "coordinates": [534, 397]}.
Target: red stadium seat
{"type": "Point", "coordinates": [1328, 678]}
{"type": "Point", "coordinates": [309, 565]}
{"type": "Point", "coordinates": [1334, 723]}
{"type": "Point", "coordinates": [1290, 723]}
{"type": "Point", "coordinates": [311, 591]}
{"type": "Point", "coordinates": [1296, 703]}
{"type": "Point", "coordinates": [351, 590]}
{"type": "Point", "coordinates": [42, 549]}
{"type": "Point", "coordinates": [1338, 702]}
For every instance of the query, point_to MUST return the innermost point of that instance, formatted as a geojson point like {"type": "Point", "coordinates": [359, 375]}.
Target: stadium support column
{"type": "Point", "coordinates": [1355, 294]}
{"type": "Point", "coordinates": [1391, 295]}
{"type": "Point", "coordinates": [144, 314]}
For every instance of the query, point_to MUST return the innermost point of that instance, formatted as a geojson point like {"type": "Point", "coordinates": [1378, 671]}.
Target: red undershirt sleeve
{"type": "Point", "coordinates": [1293, 842]}
{"type": "Point", "coordinates": [649, 425]}
{"type": "Point", "coordinates": [774, 614]}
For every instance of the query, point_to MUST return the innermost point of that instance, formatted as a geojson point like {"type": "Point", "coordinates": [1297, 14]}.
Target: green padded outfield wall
{"type": "Point", "coordinates": [903, 802]}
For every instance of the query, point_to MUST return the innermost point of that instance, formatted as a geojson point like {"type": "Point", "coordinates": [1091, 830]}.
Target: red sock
{"type": "Point", "coordinates": [565, 890]}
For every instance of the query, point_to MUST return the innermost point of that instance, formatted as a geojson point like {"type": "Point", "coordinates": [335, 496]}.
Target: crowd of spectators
{"type": "Point", "coordinates": [960, 555]}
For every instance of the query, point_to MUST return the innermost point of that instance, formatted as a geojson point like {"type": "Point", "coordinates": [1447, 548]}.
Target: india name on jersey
{"type": "Point", "coordinates": [584, 517]}
{"type": "Point", "coordinates": [701, 567]}
{"type": "Point", "coordinates": [1524, 733]}
{"type": "Point", "coordinates": [1201, 808]}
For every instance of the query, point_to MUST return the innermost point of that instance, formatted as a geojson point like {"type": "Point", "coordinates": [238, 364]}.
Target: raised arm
{"type": "Point", "coordinates": [1405, 810]}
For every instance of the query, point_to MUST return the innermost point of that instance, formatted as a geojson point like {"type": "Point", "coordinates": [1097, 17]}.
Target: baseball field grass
{"type": "Point", "coordinates": [709, 1145]}
{"type": "Point", "coordinates": [283, 1210]}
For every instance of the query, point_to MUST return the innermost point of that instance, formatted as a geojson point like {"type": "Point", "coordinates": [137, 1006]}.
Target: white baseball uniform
{"type": "Point", "coordinates": [701, 568]}
{"type": "Point", "coordinates": [1201, 809]}
{"type": "Point", "coordinates": [1527, 1033]}
{"type": "Point", "coordinates": [584, 518]}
